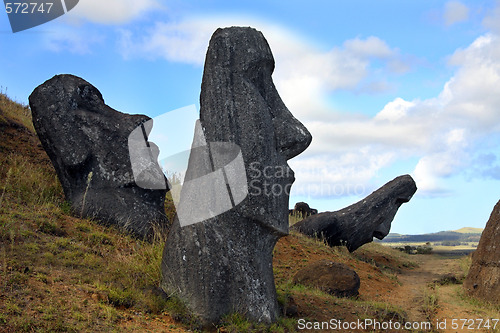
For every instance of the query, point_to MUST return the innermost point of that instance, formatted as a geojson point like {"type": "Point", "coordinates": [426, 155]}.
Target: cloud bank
{"type": "Point", "coordinates": [445, 133]}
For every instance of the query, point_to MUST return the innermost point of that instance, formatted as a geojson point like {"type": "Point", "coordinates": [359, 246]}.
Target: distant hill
{"type": "Point", "coordinates": [460, 235]}
{"type": "Point", "coordinates": [469, 230]}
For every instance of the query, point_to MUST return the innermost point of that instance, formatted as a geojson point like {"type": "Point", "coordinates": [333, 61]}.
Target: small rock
{"type": "Point", "coordinates": [291, 309]}
{"type": "Point", "coordinates": [334, 278]}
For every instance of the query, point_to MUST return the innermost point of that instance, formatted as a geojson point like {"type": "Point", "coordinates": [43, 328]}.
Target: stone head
{"type": "Point", "coordinates": [87, 142]}
{"type": "Point", "coordinates": [240, 104]}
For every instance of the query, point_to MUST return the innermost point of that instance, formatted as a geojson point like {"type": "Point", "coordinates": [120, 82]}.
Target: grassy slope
{"type": "Point", "coordinates": [469, 230]}
{"type": "Point", "coordinates": [61, 273]}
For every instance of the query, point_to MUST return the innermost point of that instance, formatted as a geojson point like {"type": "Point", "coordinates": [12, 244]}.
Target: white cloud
{"type": "Point", "coordinates": [185, 42]}
{"type": "Point", "coordinates": [339, 68]}
{"type": "Point", "coordinates": [331, 175]}
{"type": "Point", "coordinates": [395, 110]}
{"type": "Point", "coordinates": [112, 11]}
{"type": "Point", "coordinates": [74, 39]}
{"type": "Point", "coordinates": [492, 20]}
{"type": "Point", "coordinates": [68, 39]}
{"type": "Point", "coordinates": [443, 133]}
{"type": "Point", "coordinates": [450, 156]}
{"type": "Point", "coordinates": [455, 12]}
{"type": "Point", "coordinates": [369, 47]}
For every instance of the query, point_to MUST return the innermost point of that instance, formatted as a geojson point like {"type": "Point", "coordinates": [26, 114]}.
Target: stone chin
{"type": "Point", "coordinates": [268, 204]}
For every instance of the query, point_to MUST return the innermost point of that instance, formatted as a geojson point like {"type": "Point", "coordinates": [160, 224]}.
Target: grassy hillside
{"type": "Point", "coordinates": [60, 273]}
{"type": "Point", "coordinates": [469, 230]}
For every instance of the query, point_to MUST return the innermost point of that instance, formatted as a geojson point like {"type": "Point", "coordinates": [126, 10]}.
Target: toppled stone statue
{"type": "Point", "coordinates": [303, 210]}
{"type": "Point", "coordinates": [88, 144]}
{"type": "Point", "coordinates": [483, 279]}
{"type": "Point", "coordinates": [223, 264]}
{"type": "Point", "coordinates": [334, 278]}
{"type": "Point", "coordinates": [357, 224]}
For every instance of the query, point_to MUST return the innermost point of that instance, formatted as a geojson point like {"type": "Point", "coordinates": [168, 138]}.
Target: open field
{"type": "Point", "coordinates": [463, 249]}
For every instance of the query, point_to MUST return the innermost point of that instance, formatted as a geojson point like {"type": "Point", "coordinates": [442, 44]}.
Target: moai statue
{"type": "Point", "coordinates": [89, 146]}
{"type": "Point", "coordinates": [218, 256]}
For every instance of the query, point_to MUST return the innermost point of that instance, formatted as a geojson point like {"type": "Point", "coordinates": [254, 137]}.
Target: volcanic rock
{"type": "Point", "coordinates": [303, 210]}
{"type": "Point", "coordinates": [483, 279]}
{"type": "Point", "coordinates": [357, 224]}
{"type": "Point", "coordinates": [223, 263]}
{"type": "Point", "coordinates": [88, 144]}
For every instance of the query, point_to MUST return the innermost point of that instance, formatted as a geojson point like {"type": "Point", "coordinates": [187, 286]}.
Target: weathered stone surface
{"type": "Point", "coordinates": [357, 224]}
{"type": "Point", "coordinates": [483, 280]}
{"type": "Point", "coordinates": [224, 263]}
{"type": "Point", "coordinates": [87, 142]}
{"type": "Point", "coordinates": [334, 278]}
{"type": "Point", "coordinates": [303, 209]}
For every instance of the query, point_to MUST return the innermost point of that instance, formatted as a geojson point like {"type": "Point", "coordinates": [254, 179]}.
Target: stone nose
{"type": "Point", "coordinates": [292, 136]}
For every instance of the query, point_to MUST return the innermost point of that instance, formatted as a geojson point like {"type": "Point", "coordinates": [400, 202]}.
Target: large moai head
{"type": "Point", "coordinates": [88, 144]}
{"type": "Point", "coordinates": [240, 104]}
{"type": "Point", "coordinates": [223, 264]}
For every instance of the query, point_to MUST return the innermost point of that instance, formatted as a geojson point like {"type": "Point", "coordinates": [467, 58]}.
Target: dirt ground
{"type": "Point", "coordinates": [429, 293]}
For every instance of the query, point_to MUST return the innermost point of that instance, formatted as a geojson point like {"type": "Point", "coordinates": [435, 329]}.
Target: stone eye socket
{"type": "Point", "coordinates": [258, 73]}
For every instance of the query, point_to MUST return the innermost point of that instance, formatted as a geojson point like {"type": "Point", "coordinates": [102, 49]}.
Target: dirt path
{"type": "Point", "coordinates": [414, 295]}
{"type": "Point", "coordinates": [441, 305]}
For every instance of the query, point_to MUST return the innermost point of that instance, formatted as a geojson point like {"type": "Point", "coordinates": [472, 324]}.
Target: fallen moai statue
{"type": "Point", "coordinates": [88, 144]}
{"type": "Point", "coordinates": [357, 224]}
{"type": "Point", "coordinates": [218, 254]}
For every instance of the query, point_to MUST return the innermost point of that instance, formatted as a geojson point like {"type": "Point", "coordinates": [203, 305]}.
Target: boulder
{"type": "Point", "coordinates": [88, 144]}
{"type": "Point", "coordinates": [223, 263]}
{"type": "Point", "coordinates": [357, 224]}
{"type": "Point", "coordinates": [334, 278]}
{"type": "Point", "coordinates": [483, 279]}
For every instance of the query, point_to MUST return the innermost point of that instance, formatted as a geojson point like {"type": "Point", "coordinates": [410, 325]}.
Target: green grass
{"type": "Point", "coordinates": [235, 323]}
{"type": "Point", "coordinates": [11, 111]}
{"type": "Point", "coordinates": [123, 270]}
{"type": "Point", "coordinates": [431, 302]}
{"type": "Point", "coordinates": [478, 305]}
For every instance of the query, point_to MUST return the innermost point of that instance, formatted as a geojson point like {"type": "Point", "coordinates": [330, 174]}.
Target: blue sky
{"type": "Point", "coordinates": [386, 88]}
